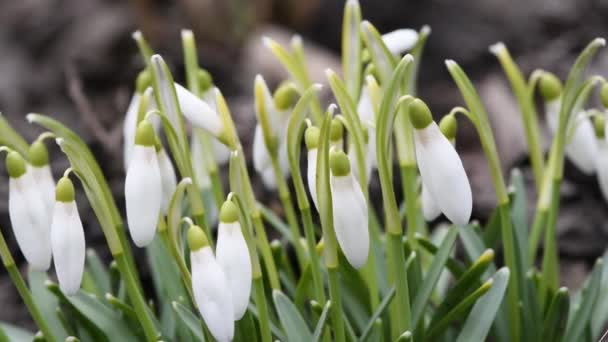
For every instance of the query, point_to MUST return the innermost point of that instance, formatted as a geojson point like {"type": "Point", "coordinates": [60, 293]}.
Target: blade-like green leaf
{"type": "Point", "coordinates": [246, 330]}
{"type": "Point", "coordinates": [293, 324]}
{"type": "Point", "coordinates": [11, 333]}
{"type": "Point", "coordinates": [99, 272]}
{"type": "Point", "coordinates": [582, 315]}
{"type": "Point", "coordinates": [321, 322]}
{"type": "Point", "coordinates": [480, 319]}
{"type": "Point", "coordinates": [190, 320]}
{"type": "Point", "coordinates": [46, 302]}
{"type": "Point", "coordinates": [379, 311]}
{"type": "Point", "coordinates": [556, 317]}
{"type": "Point", "coordinates": [106, 322]}
{"type": "Point", "coordinates": [433, 275]}
{"type": "Point", "coordinates": [9, 137]}
{"type": "Point", "coordinates": [383, 59]}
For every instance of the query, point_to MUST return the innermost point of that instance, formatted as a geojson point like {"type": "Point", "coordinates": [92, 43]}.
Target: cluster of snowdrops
{"type": "Point", "coordinates": [353, 275]}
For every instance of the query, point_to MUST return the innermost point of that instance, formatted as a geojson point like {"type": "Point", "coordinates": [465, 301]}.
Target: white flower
{"type": "Point", "coordinates": [350, 214]}
{"type": "Point", "coordinates": [28, 213]}
{"type": "Point", "coordinates": [168, 178]}
{"type": "Point", "coordinates": [41, 172]}
{"type": "Point", "coordinates": [130, 122]}
{"type": "Point", "coordinates": [311, 175]}
{"type": "Point", "coordinates": [602, 166]}
{"type": "Point", "coordinates": [430, 210]}
{"type": "Point", "coordinates": [400, 40]}
{"type": "Point", "coordinates": [143, 187]}
{"type": "Point", "coordinates": [198, 112]}
{"type": "Point", "coordinates": [221, 151]}
{"type": "Point", "coordinates": [67, 239]}
{"type": "Point", "coordinates": [233, 257]}
{"type": "Point", "coordinates": [440, 167]}
{"type": "Point", "coordinates": [210, 287]}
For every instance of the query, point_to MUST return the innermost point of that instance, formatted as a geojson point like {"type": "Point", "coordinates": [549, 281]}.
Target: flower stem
{"type": "Point", "coordinates": [336, 306]}
{"type": "Point", "coordinates": [264, 246]}
{"type": "Point", "coordinates": [171, 244]}
{"type": "Point", "coordinates": [24, 292]}
{"type": "Point", "coordinates": [317, 276]}
{"type": "Point", "coordinates": [262, 306]}
{"type": "Point", "coordinates": [400, 312]}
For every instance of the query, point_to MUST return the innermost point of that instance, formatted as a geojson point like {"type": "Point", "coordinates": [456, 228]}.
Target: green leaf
{"type": "Point", "coordinates": [351, 48]}
{"type": "Point", "coordinates": [474, 246]}
{"type": "Point", "coordinates": [99, 272]}
{"type": "Point", "coordinates": [190, 320]}
{"type": "Point", "coordinates": [433, 275]}
{"type": "Point", "coordinates": [246, 330]}
{"type": "Point", "coordinates": [304, 287]}
{"type": "Point", "coordinates": [556, 318]}
{"type": "Point", "coordinates": [600, 314]}
{"type": "Point", "coordinates": [11, 138]}
{"type": "Point", "coordinates": [456, 267]}
{"type": "Point", "coordinates": [379, 311]}
{"type": "Point", "coordinates": [106, 322]}
{"type": "Point", "coordinates": [519, 214]}
{"type": "Point", "coordinates": [480, 319]}
{"type": "Point", "coordinates": [589, 296]}
{"type": "Point", "coordinates": [383, 59]}
{"type": "Point", "coordinates": [321, 322]}
{"type": "Point", "coordinates": [46, 302]}
{"type": "Point", "coordinates": [275, 222]}
{"type": "Point", "coordinates": [355, 295]}
{"type": "Point", "coordinates": [11, 333]}
{"type": "Point", "coordinates": [275, 330]}
{"type": "Point", "coordinates": [293, 324]}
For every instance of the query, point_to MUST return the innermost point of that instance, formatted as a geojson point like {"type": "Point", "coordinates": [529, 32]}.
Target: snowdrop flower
{"type": "Point", "coordinates": [41, 172]}
{"type": "Point", "coordinates": [143, 187]}
{"type": "Point", "coordinates": [233, 257]}
{"type": "Point", "coordinates": [440, 166]}
{"type": "Point", "coordinates": [167, 176]}
{"type": "Point", "coordinates": [448, 126]}
{"type": "Point", "coordinates": [581, 147]}
{"type": "Point", "coordinates": [400, 40]}
{"type": "Point", "coordinates": [271, 111]}
{"type": "Point", "coordinates": [602, 155]}
{"type": "Point", "coordinates": [67, 239]}
{"type": "Point", "coordinates": [311, 138]}
{"type": "Point", "coordinates": [208, 94]}
{"type": "Point", "coordinates": [210, 287]}
{"type": "Point", "coordinates": [28, 213]}
{"type": "Point", "coordinates": [350, 214]}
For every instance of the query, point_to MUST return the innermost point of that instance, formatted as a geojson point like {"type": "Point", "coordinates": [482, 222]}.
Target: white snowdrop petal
{"type": "Point", "coordinates": [46, 186]}
{"type": "Point", "coordinates": [602, 167]}
{"type": "Point", "coordinates": [129, 126]}
{"type": "Point", "coordinates": [198, 163]}
{"type": "Point", "coordinates": [268, 178]}
{"type": "Point", "coordinates": [212, 294]}
{"type": "Point", "coordinates": [261, 157]}
{"type": "Point", "coordinates": [311, 175]}
{"type": "Point", "coordinates": [199, 113]}
{"type": "Point", "coordinates": [443, 175]}
{"type": "Point", "coordinates": [143, 193]}
{"type": "Point", "coordinates": [233, 256]}
{"type": "Point", "coordinates": [552, 114]}
{"type": "Point", "coordinates": [31, 230]}
{"type": "Point", "coordinates": [400, 40]}
{"type": "Point", "coordinates": [430, 210]}
{"type": "Point", "coordinates": [68, 245]}
{"type": "Point", "coordinates": [350, 219]}
{"type": "Point", "coordinates": [582, 149]}
{"type": "Point", "coordinates": [221, 152]}
{"type": "Point", "coordinates": [365, 108]}
{"type": "Point", "coordinates": [168, 179]}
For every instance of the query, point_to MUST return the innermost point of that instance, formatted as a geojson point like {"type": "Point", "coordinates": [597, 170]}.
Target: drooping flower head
{"type": "Point", "coordinates": [28, 213]}
{"type": "Point", "coordinates": [233, 256]}
{"type": "Point", "coordinates": [440, 167]}
{"type": "Point", "coordinates": [210, 287]}
{"type": "Point", "coordinates": [167, 175]}
{"type": "Point", "coordinates": [67, 238]}
{"type": "Point", "coordinates": [143, 187]}
{"type": "Point", "coordinates": [350, 212]}
{"type": "Point", "coordinates": [336, 134]}
{"type": "Point", "coordinates": [41, 171]}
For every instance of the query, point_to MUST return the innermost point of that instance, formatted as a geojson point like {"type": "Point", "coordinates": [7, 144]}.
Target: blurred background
{"type": "Point", "coordinates": [76, 61]}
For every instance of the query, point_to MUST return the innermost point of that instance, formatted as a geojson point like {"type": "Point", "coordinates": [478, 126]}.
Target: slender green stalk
{"type": "Point", "coordinates": [539, 222]}
{"type": "Point", "coordinates": [513, 291]}
{"type": "Point", "coordinates": [290, 212]}
{"type": "Point", "coordinates": [409, 175]}
{"type": "Point", "coordinates": [317, 276]}
{"type": "Point", "coordinates": [264, 246]}
{"type": "Point", "coordinates": [400, 307]}
{"type": "Point", "coordinates": [139, 304]}
{"type": "Point", "coordinates": [171, 244]}
{"type": "Point", "coordinates": [262, 306]}
{"type": "Point", "coordinates": [528, 110]}
{"type": "Point", "coordinates": [24, 292]}
{"type": "Point", "coordinates": [217, 187]}
{"type": "Point", "coordinates": [336, 315]}
{"type": "Point", "coordinates": [550, 264]}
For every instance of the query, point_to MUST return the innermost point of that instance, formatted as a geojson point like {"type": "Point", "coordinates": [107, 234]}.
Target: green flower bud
{"type": "Point", "coordinates": [38, 154]}
{"type": "Point", "coordinates": [339, 163]}
{"type": "Point", "coordinates": [145, 135]}
{"type": "Point", "coordinates": [604, 95]}
{"type": "Point", "coordinates": [196, 238]}
{"type": "Point", "coordinates": [599, 123]}
{"type": "Point", "coordinates": [229, 212]}
{"type": "Point", "coordinates": [311, 137]}
{"type": "Point", "coordinates": [550, 86]}
{"type": "Point", "coordinates": [15, 164]}
{"type": "Point", "coordinates": [205, 81]}
{"type": "Point", "coordinates": [64, 191]}
{"type": "Point", "coordinates": [449, 126]}
{"type": "Point", "coordinates": [144, 80]}
{"type": "Point", "coordinates": [336, 130]}
{"type": "Point", "coordinates": [420, 114]}
{"type": "Point", "coordinates": [285, 96]}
